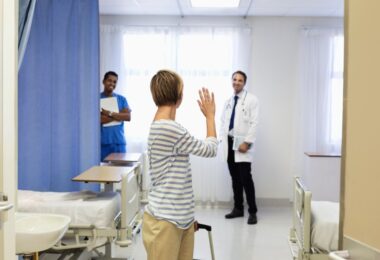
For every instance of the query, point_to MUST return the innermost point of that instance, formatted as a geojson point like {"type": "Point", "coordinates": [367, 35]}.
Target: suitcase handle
{"type": "Point", "coordinates": [203, 226]}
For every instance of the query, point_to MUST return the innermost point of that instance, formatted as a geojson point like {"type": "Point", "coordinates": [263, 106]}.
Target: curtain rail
{"type": "Point", "coordinates": [246, 26]}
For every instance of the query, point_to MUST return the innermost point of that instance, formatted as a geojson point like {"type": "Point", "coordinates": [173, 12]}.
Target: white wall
{"type": "Point", "coordinates": [322, 177]}
{"type": "Point", "coordinates": [273, 79]}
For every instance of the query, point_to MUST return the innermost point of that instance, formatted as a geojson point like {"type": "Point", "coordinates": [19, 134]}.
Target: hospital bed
{"type": "Point", "coordinates": [97, 218]}
{"type": "Point", "coordinates": [130, 158]}
{"type": "Point", "coordinates": [315, 225]}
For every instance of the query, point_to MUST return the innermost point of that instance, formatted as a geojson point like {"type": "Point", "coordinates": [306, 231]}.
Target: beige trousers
{"type": "Point", "coordinates": [165, 241]}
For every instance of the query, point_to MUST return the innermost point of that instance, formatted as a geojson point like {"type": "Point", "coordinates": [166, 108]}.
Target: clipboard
{"type": "Point", "coordinates": [238, 140]}
{"type": "Point", "coordinates": [110, 104]}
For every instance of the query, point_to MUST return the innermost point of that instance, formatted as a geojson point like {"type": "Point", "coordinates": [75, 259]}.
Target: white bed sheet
{"type": "Point", "coordinates": [325, 225]}
{"type": "Point", "coordinates": [84, 207]}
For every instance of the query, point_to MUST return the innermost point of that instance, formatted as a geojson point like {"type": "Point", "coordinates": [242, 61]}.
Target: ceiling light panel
{"type": "Point", "coordinates": [215, 3]}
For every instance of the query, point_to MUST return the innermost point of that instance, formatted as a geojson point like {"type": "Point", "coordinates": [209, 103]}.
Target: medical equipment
{"type": "Point", "coordinates": [315, 226]}
{"type": "Point", "coordinates": [231, 102]}
{"type": "Point", "coordinates": [98, 219]}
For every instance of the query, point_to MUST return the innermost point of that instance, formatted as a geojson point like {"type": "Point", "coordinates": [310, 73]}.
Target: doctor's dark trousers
{"type": "Point", "coordinates": [241, 180]}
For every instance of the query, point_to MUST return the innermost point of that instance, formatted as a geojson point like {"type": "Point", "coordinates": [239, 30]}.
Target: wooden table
{"type": "Point", "coordinates": [316, 154]}
{"type": "Point", "coordinates": [123, 158]}
{"type": "Point", "coordinates": [108, 175]}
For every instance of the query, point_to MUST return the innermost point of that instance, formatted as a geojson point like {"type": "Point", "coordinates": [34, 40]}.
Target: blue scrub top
{"type": "Point", "coordinates": [114, 134]}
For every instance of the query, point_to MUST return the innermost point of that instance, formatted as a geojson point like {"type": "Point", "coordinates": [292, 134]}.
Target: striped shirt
{"type": "Point", "coordinates": [171, 195]}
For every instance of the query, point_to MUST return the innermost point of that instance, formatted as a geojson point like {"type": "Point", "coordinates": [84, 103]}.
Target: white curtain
{"type": "Point", "coordinates": [25, 18]}
{"type": "Point", "coordinates": [320, 92]}
{"type": "Point", "coordinates": [203, 56]}
{"type": "Point", "coordinates": [315, 74]}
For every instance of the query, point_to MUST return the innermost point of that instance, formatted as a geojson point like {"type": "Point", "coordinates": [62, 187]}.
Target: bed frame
{"type": "Point", "coordinates": [125, 226]}
{"type": "Point", "coordinates": [300, 233]}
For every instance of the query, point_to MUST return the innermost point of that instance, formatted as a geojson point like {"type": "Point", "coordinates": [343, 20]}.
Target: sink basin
{"type": "Point", "coordinates": [37, 232]}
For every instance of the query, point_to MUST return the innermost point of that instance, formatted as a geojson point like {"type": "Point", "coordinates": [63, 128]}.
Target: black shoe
{"type": "Point", "coordinates": [235, 213]}
{"type": "Point", "coordinates": [252, 219]}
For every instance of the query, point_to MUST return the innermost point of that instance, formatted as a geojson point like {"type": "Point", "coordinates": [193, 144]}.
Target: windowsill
{"type": "Point", "coordinates": [316, 154]}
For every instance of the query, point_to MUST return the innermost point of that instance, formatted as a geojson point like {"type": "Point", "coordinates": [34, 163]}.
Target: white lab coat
{"type": "Point", "coordinates": [245, 123]}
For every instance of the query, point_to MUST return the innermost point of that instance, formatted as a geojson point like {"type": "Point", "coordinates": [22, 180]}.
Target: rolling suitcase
{"type": "Point", "coordinates": [208, 228]}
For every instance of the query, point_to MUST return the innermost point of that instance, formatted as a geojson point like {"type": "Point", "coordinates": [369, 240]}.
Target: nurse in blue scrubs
{"type": "Point", "coordinates": [112, 137]}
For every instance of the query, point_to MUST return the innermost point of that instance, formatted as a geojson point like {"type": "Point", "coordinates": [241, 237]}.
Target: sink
{"type": "Point", "coordinates": [37, 232]}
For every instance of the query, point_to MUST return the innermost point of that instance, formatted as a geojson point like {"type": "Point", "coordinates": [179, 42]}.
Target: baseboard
{"type": "Point", "coordinates": [359, 250]}
{"type": "Point", "coordinates": [214, 205]}
{"type": "Point", "coordinates": [269, 202]}
{"type": "Point", "coordinates": [261, 202]}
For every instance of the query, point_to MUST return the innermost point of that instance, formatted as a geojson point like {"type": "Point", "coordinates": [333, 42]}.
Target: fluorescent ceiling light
{"type": "Point", "coordinates": [215, 3]}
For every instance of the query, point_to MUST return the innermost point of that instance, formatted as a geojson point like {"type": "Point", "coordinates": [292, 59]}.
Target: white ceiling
{"type": "Point", "coordinates": [246, 8]}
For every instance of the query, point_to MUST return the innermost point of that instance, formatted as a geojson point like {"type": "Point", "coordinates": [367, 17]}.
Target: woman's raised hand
{"type": "Point", "coordinates": [206, 103]}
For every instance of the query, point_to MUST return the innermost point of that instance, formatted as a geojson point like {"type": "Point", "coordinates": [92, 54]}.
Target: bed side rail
{"type": "Point", "coordinates": [131, 216]}
{"type": "Point", "coordinates": [301, 232]}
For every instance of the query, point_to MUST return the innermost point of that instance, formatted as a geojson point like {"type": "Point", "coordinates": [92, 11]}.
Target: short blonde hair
{"type": "Point", "coordinates": [166, 88]}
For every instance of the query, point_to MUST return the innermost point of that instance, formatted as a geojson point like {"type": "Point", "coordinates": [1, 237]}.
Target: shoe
{"type": "Point", "coordinates": [252, 219]}
{"type": "Point", "coordinates": [235, 213]}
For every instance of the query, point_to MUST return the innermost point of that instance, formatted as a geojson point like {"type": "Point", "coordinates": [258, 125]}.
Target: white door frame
{"type": "Point", "coordinates": [8, 122]}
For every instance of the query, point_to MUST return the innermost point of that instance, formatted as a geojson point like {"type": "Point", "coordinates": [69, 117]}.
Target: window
{"type": "Point", "coordinates": [321, 89]}
{"type": "Point", "coordinates": [203, 57]}
{"type": "Point", "coordinates": [336, 110]}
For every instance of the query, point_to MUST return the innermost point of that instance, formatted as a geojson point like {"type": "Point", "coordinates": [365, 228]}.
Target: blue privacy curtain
{"type": "Point", "coordinates": [58, 100]}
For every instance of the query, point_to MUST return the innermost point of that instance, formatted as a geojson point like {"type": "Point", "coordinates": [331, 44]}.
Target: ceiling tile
{"type": "Point", "coordinates": [258, 7]}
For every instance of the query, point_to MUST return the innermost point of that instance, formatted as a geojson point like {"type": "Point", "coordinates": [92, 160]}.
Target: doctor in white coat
{"type": "Point", "coordinates": [238, 132]}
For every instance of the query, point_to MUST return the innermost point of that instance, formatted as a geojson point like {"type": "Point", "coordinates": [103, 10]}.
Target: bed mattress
{"type": "Point", "coordinates": [84, 207]}
{"type": "Point", "coordinates": [325, 225]}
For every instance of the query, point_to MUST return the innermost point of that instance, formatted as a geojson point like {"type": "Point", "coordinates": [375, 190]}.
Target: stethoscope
{"type": "Point", "coordinates": [230, 104]}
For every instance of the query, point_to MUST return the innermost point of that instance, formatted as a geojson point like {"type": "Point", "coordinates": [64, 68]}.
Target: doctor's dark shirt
{"type": "Point", "coordinates": [114, 134]}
